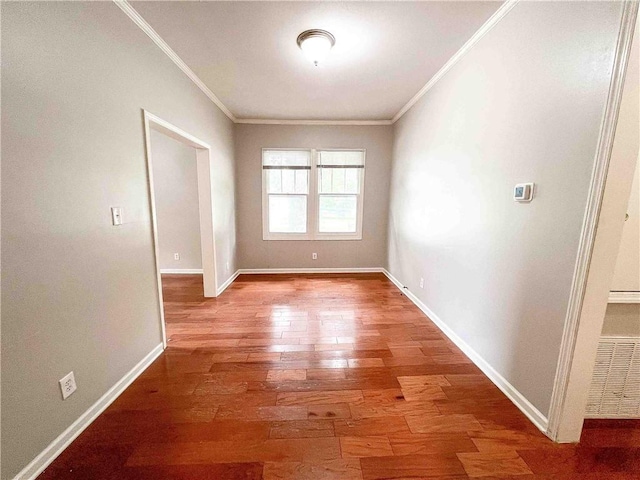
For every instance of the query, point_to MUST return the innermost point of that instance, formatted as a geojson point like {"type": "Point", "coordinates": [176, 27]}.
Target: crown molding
{"type": "Point", "coordinates": [269, 121]}
{"type": "Point", "coordinates": [475, 38]}
{"type": "Point", "coordinates": [153, 35]}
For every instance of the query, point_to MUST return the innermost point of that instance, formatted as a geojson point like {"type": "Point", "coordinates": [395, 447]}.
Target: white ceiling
{"type": "Point", "coordinates": [246, 52]}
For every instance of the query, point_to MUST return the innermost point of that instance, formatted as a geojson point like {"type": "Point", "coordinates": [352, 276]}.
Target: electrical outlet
{"type": "Point", "coordinates": [176, 256]}
{"type": "Point", "coordinates": [422, 283]}
{"type": "Point", "coordinates": [227, 266]}
{"type": "Point", "coordinates": [314, 256]}
{"type": "Point", "coordinates": [68, 385]}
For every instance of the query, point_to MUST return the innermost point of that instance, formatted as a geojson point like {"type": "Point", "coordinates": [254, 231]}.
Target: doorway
{"type": "Point", "coordinates": [603, 224]}
{"type": "Point", "coordinates": [203, 174]}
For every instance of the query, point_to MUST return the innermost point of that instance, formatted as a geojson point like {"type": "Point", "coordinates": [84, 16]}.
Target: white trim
{"type": "Point", "coordinates": [610, 416]}
{"type": "Point", "coordinates": [275, 121]}
{"type": "Point", "coordinates": [229, 281]}
{"type": "Point", "coordinates": [204, 166]}
{"type": "Point", "coordinates": [313, 204]}
{"type": "Point", "coordinates": [272, 271]}
{"type": "Point", "coordinates": [624, 297]}
{"type": "Point", "coordinates": [174, 132]}
{"type": "Point", "coordinates": [154, 226]}
{"type": "Point", "coordinates": [164, 46]}
{"type": "Point", "coordinates": [266, 234]}
{"type": "Point", "coordinates": [276, 271]}
{"type": "Point", "coordinates": [55, 448]}
{"type": "Point", "coordinates": [590, 220]}
{"type": "Point", "coordinates": [519, 400]}
{"type": "Point", "coordinates": [181, 271]}
{"type": "Point", "coordinates": [620, 338]}
{"type": "Point", "coordinates": [475, 38]}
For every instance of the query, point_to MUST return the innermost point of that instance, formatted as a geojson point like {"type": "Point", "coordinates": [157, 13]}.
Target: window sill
{"type": "Point", "coordinates": [311, 238]}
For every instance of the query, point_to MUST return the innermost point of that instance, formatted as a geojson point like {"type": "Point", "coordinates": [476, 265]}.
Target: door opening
{"type": "Point", "coordinates": [203, 173]}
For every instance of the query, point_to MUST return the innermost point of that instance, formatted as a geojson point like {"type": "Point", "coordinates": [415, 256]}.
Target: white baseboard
{"type": "Point", "coordinates": [257, 271]}
{"type": "Point", "coordinates": [624, 297]}
{"type": "Point", "coordinates": [226, 284]}
{"type": "Point", "coordinates": [55, 448]}
{"type": "Point", "coordinates": [519, 400]}
{"type": "Point", "coordinates": [253, 271]}
{"type": "Point", "coordinates": [181, 271]}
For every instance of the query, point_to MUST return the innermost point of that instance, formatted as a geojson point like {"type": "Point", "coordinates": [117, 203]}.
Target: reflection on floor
{"type": "Point", "coordinates": [322, 377]}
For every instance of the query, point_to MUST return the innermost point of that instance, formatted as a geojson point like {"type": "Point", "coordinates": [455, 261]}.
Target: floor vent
{"type": "Point", "coordinates": [615, 386]}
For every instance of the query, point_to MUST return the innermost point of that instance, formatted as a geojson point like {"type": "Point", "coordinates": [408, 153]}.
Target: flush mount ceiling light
{"type": "Point", "coordinates": [316, 44]}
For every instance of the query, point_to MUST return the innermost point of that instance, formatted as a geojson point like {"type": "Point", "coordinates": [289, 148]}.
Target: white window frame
{"type": "Point", "coordinates": [313, 205]}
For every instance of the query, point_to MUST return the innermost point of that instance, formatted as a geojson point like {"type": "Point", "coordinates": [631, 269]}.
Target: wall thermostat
{"type": "Point", "coordinates": [523, 192]}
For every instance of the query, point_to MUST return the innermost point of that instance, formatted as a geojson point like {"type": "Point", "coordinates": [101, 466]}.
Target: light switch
{"type": "Point", "coordinates": [116, 215]}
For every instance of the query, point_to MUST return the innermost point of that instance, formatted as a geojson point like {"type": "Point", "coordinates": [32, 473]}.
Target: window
{"type": "Point", "coordinates": [312, 194]}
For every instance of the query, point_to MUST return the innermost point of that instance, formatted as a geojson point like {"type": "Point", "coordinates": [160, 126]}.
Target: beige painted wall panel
{"type": "Point", "coordinates": [626, 277]}
{"type": "Point", "coordinates": [622, 319]}
{"type": "Point", "coordinates": [253, 252]}
{"type": "Point", "coordinates": [79, 294]}
{"type": "Point", "coordinates": [175, 182]}
{"type": "Point", "coordinates": [524, 105]}
{"type": "Point", "coordinates": [606, 241]}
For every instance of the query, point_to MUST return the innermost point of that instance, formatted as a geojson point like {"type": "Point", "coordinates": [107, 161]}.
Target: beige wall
{"type": "Point", "coordinates": [524, 105]}
{"type": "Point", "coordinates": [253, 252]}
{"type": "Point", "coordinates": [175, 183]}
{"type": "Point", "coordinates": [622, 319]}
{"type": "Point", "coordinates": [79, 294]}
{"type": "Point", "coordinates": [617, 176]}
{"type": "Point", "coordinates": [626, 277]}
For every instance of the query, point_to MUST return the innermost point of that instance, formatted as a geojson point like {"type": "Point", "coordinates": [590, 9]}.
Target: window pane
{"type": "Point", "coordinates": [325, 180]}
{"type": "Point", "coordinates": [287, 213]}
{"type": "Point", "coordinates": [352, 182]}
{"type": "Point", "coordinates": [337, 185]}
{"type": "Point", "coordinates": [288, 180]}
{"type": "Point", "coordinates": [290, 158]}
{"type": "Point", "coordinates": [302, 181]}
{"type": "Point", "coordinates": [274, 181]}
{"type": "Point", "coordinates": [339, 180]}
{"type": "Point", "coordinates": [337, 214]}
{"type": "Point", "coordinates": [341, 157]}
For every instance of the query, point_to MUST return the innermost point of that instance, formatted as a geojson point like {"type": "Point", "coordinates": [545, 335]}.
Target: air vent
{"type": "Point", "coordinates": [615, 386]}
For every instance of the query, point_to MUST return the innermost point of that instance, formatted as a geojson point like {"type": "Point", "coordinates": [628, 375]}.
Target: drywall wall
{"type": "Point", "coordinates": [622, 319]}
{"type": "Point", "coordinates": [79, 294]}
{"type": "Point", "coordinates": [626, 277]}
{"type": "Point", "coordinates": [613, 176]}
{"type": "Point", "coordinates": [175, 184]}
{"type": "Point", "coordinates": [254, 252]}
{"type": "Point", "coordinates": [525, 104]}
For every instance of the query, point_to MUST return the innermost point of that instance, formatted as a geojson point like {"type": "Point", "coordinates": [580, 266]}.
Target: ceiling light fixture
{"type": "Point", "coordinates": [316, 44]}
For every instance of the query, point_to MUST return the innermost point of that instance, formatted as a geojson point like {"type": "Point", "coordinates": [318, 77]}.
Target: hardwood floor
{"type": "Point", "coordinates": [323, 377]}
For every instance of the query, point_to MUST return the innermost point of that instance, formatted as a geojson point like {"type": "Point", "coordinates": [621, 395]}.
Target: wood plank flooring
{"type": "Point", "coordinates": [323, 377]}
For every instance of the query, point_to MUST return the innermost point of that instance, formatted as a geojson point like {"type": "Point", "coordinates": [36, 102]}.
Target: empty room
{"type": "Point", "coordinates": [313, 240]}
